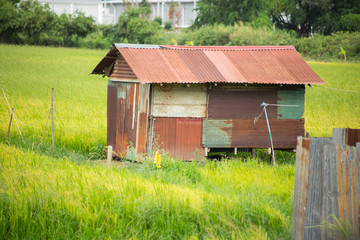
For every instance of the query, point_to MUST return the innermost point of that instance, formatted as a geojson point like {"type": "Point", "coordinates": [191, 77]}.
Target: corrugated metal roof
{"type": "Point", "coordinates": [220, 64]}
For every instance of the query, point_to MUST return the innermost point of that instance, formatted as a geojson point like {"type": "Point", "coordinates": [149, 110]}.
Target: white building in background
{"type": "Point", "coordinates": [108, 11]}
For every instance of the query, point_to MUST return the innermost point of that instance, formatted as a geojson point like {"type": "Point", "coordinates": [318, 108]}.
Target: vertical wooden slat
{"type": "Point", "coordinates": [353, 209]}
{"type": "Point", "coordinates": [111, 116]}
{"type": "Point", "coordinates": [349, 156]}
{"type": "Point", "coordinates": [120, 120]}
{"type": "Point", "coordinates": [301, 187]}
{"type": "Point", "coordinates": [142, 117]}
{"type": "Point", "coordinates": [340, 188]}
{"type": "Point", "coordinates": [130, 135]}
{"type": "Point", "coordinates": [313, 206]}
{"type": "Point", "coordinates": [357, 186]}
{"type": "Point", "coordinates": [333, 189]}
{"type": "Point", "coordinates": [343, 150]}
{"type": "Point", "coordinates": [329, 196]}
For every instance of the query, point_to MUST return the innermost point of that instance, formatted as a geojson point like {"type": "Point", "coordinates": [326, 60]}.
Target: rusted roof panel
{"type": "Point", "coordinates": [202, 64]}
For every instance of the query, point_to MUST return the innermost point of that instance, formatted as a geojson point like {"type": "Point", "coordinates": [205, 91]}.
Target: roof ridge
{"type": "Point", "coordinates": [206, 48]}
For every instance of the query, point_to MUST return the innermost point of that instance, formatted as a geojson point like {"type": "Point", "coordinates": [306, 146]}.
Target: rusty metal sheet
{"type": "Point", "coordinates": [278, 73]}
{"type": "Point", "coordinates": [301, 187]}
{"type": "Point", "coordinates": [122, 70]}
{"type": "Point", "coordinates": [257, 48]}
{"type": "Point", "coordinates": [201, 66]}
{"type": "Point", "coordinates": [172, 136]}
{"type": "Point", "coordinates": [243, 133]}
{"type": "Point", "coordinates": [253, 64]}
{"type": "Point", "coordinates": [111, 116]}
{"type": "Point", "coordinates": [143, 114]}
{"type": "Point", "coordinates": [236, 102]}
{"type": "Point", "coordinates": [224, 65]}
{"type": "Point", "coordinates": [297, 67]}
{"type": "Point", "coordinates": [178, 100]}
{"type": "Point", "coordinates": [126, 118]}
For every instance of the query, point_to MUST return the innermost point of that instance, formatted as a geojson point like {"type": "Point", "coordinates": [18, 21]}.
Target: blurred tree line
{"type": "Point", "coordinates": [305, 17]}
{"type": "Point", "coordinates": [317, 28]}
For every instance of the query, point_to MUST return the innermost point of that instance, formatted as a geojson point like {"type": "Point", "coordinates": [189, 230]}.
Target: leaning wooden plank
{"type": "Point", "coordinates": [349, 155]}
{"type": "Point", "coordinates": [357, 187]}
{"type": "Point", "coordinates": [340, 183]}
{"type": "Point", "coordinates": [329, 192]}
{"type": "Point", "coordinates": [344, 153]}
{"type": "Point", "coordinates": [300, 187]}
{"type": "Point", "coordinates": [313, 206]}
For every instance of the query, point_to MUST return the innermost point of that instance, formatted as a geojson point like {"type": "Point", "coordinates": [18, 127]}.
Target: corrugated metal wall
{"type": "Point", "coordinates": [127, 117]}
{"type": "Point", "coordinates": [243, 133]}
{"type": "Point", "coordinates": [232, 110]}
{"type": "Point", "coordinates": [239, 102]}
{"type": "Point", "coordinates": [180, 137]}
{"type": "Point", "coordinates": [189, 118]}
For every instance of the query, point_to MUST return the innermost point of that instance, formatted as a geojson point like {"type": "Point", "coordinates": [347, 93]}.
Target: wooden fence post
{"type": "Point", "coordinates": [52, 117]}
{"type": "Point", "coordinates": [109, 155]}
{"type": "Point", "coordinates": [11, 117]}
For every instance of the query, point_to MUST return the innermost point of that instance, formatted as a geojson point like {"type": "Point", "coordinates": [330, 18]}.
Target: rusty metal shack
{"type": "Point", "coordinates": [188, 100]}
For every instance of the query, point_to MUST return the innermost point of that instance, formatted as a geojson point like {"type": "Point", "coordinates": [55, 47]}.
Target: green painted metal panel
{"type": "Point", "coordinates": [291, 97]}
{"type": "Point", "coordinates": [121, 88]}
{"type": "Point", "coordinates": [216, 133]}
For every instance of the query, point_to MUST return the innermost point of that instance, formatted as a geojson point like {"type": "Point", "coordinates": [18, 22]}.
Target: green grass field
{"type": "Point", "coordinates": [58, 193]}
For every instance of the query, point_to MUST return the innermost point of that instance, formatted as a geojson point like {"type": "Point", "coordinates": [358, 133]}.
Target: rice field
{"type": "Point", "coordinates": [60, 193]}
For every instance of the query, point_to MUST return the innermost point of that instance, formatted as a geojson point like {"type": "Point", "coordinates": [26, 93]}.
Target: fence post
{"type": "Point", "coordinates": [52, 117]}
{"type": "Point", "coordinates": [109, 155]}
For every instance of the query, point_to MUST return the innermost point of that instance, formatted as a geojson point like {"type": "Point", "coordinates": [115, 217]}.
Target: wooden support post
{"type": "Point", "coordinates": [11, 117]}
{"type": "Point", "coordinates": [206, 150]}
{"type": "Point", "coordinates": [235, 151]}
{"type": "Point", "coordinates": [52, 117]}
{"type": "Point", "coordinates": [253, 153]}
{"type": "Point", "coordinates": [109, 155]}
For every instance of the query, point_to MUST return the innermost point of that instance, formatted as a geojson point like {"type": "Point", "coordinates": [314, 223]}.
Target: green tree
{"type": "Point", "coordinates": [34, 20]}
{"type": "Point", "coordinates": [8, 21]}
{"type": "Point", "coordinates": [315, 16]}
{"type": "Point", "coordinates": [134, 26]}
{"type": "Point", "coordinates": [228, 12]}
{"type": "Point", "coordinates": [68, 28]}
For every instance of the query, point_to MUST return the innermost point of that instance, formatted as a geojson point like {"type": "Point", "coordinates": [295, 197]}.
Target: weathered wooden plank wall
{"type": "Point", "coordinates": [178, 100]}
{"type": "Point", "coordinates": [326, 188]}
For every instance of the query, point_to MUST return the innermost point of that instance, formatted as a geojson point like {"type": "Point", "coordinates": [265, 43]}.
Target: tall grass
{"type": "Point", "coordinates": [27, 75]}
{"type": "Point", "coordinates": [335, 104]}
{"type": "Point", "coordinates": [44, 193]}
{"type": "Point", "coordinates": [44, 197]}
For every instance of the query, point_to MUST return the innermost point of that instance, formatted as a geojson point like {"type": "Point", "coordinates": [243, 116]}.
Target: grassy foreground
{"type": "Point", "coordinates": [42, 197]}
{"type": "Point", "coordinates": [47, 193]}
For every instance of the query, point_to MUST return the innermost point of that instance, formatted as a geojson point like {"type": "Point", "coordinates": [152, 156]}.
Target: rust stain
{"type": "Point", "coordinates": [345, 181]}
{"type": "Point", "coordinates": [240, 103]}
{"type": "Point", "coordinates": [141, 146]}
{"type": "Point", "coordinates": [111, 116]}
{"type": "Point", "coordinates": [246, 134]}
{"type": "Point", "coordinates": [356, 186]}
{"type": "Point", "coordinates": [173, 136]}
{"type": "Point", "coordinates": [341, 208]}
{"type": "Point", "coordinates": [352, 136]}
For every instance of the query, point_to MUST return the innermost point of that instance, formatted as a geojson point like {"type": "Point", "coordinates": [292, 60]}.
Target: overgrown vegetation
{"type": "Point", "coordinates": [44, 197]}
{"type": "Point", "coordinates": [34, 24]}
{"type": "Point", "coordinates": [59, 193]}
